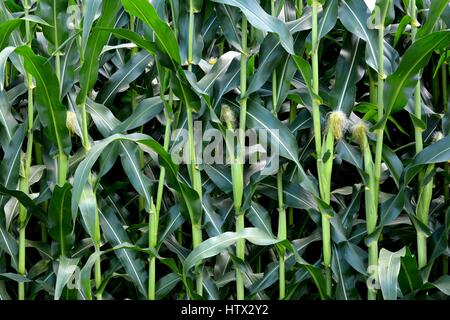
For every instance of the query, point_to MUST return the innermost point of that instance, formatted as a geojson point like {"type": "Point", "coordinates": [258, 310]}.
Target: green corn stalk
{"type": "Point", "coordinates": [25, 165]}
{"type": "Point", "coordinates": [155, 210]}
{"type": "Point", "coordinates": [444, 76]}
{"type": "Point", "coordinates": [324, 171]}
{"type": "Point", "coordinates": [193, 169]}
{"type": "Point", "coordinates": [299, 8]}
{"type": "Point", "coordinates": [425, 188]}
{"type": "Point", "coordinates": [360, 133]}
{"type": "Point", "coordinates": [237, 168]}
{"type": "Point", "coordinates": [282, 227]}
{"type": "Point", "coordinates": [98, 278]}
{"type": "Point", "coordinates": [141, 200]}
{"type": "Point", "coordinates": [370, 214]}
{"type": "Point", "coordinates": [293, 105]}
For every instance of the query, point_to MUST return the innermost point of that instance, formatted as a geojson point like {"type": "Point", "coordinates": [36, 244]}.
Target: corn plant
{"type": "Point", "coordinates": [150, 148]}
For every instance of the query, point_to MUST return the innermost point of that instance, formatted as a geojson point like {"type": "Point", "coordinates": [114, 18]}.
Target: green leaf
{"type": "Point", "coordinates": [213, 246]}
{"type": "Point", "coordinates": [52, 113]}
{"type": "Point", "coordinates": [137, 39]}
{"type": "Point", "coordinates": [388, 270]}
{"type": "Point", "coordinates": [348, 73]}
{"type": "Point", "coordinates": [399, 85]}
{"type": "Point", "coordinates": [346, 280]}
{"type": "Point", "coordinates": [122, 78]}
{"type": "Point", "coordinates": [90, 14]}
{"type": "Point", "coordinates": [206, 84]}
{"type": "Point", "coordinates": [228, 19]}
{"type": "Point", "coordinates": [169, 223]}
{"type": "Point", "coordinates": [10, 166]}
{"type": "Point", "coordinates": [6, 28]}
{"type": "Point", "coordinates": [84, 168]}
{"type": "Point", "coordinates": [435, 11]}
{"type": "Point", "coordinates": [94, 47]}
{"type": "Point", "coordinates": [328, 19]}
{"type": "Point", "coordinates": [319, 280]}
{"type": "Point", "coordinates": [25, 201]}
{"type": "Point", "coordinates": [271, 55]}
{"type": "Point", "coordinates": [4, 55]}
{"type": "Point", "coordinates": [263, 21]}
{"type": "Point", "coordinates": [393, 163]}
{"type": "Point", "coordinates": [221, 176]}
{"type": "Point", "coordinates": [260, 218]}
{"type": "Point", "coordinates": [9, 245]}
{"type": "Point", "coordinates": [294, 195]}
{"type": "Point", "coordinates": [260, 118]}
{"type": "Point", "coordinates": [354, 16]}
{"type": "Point", "coordinates": [54, 12]}
{"type": "Point", "coordinates": [145, 111]}
{"type": "Point", "coordinates": [66, 269]}
{"type": "Point", "coordinates": [443, 284]}
{"type": "Point", "coordinates": [355, 256]}
{"type": "Point", "coordinates": [409, 277]}
{"type": "Point", "coordinates": [166, 284]}
{"type": "Point", "coordinates": [129, 156]}
{"type": "Point", "coordinates": [116, 235]}
{"type": "Point", "coordinates": [165, 38]}
{"type": "Point", "coordinates": [87, 204]}
{"type": "Point", "coordinates": [437, 152]}
{"type": "Point", "coordinates": [60, 221]}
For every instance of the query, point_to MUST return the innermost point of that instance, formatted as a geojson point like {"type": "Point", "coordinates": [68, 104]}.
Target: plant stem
{"type": "Point", "coordinates": [97, 244]}
{"type": "Point", "coordinates": [323, 183]}
{"type": "Point", "coordinates": [424, 191]}
{"type": "Point", "coordinates": [155, 212]}
{"type": "Point", "coordinates": [292, 116]}
{"type": "Point", "coordinates": [238, 168]}
{"type": "Point", "coordinates": [299, 8]}
{"type": "Point", "coordinates": [281, 210]}
{"type": "Point", "coordinates": [444, 73]}
{"type": "Point", "coordinates": [134, 51]}
{"type": "Point", "coordinates": [315, 70]}
{"type": "Point", "coordinates": [325, 171]}
{"type": "Point", "coordinates": [97, 240]}
{"type": "Point", "coordinates": [372, 210]}
{"type": "Point", "coordinates": [152, 242]}
{"type": "Point", "coordinates": [380, 104]}
{"type": "Point", "coordinates": [282, 235]}
{"type": "Point", "coordinates": [193, 169]}
{"type": "Point", "coordinates": [191, 34]}
{"type": "Point", "coordinates": [446, 165]}
{"type": "Point", "coordinates": [24, 180]}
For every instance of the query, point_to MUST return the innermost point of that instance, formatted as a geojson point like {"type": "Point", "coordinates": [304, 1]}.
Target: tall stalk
{"type": "Point", "coordinates": [360, 133]}
{"type": "Point", "coordinates": [326, 230]}
{"type": "Point", "coordinates": [282, 225]}
{"type": "Point", "coordinates": [424, 189]}
{"type": "Point", "coordinates": [25, 167]}
{"type": "Point", "coordinates": [155, 211]}
{"type": "Point", "coordinates": [299, 8]}
{"type": "Point", "coordinates": [292, 116]}
{"type": "Point", "coordinates": [134, 51]}
{"type": "Point", "coordinates": [293, 105]}
{"type": "Point", "coordinates": [194, 172]}
{"type": "Point", "coordinates": [374, 186]}
{"type": "Point", "coordinates": [444, 73]}
{"type": "Point", "coordinates": [87, 146]}
{"type": "Point", "coordinates": [282, 235]}
{"type": "Point", "coordinates": [237, 169]}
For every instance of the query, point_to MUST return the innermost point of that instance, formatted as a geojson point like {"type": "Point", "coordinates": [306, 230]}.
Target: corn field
{"type": "Point", "coordinates": [224, 149]}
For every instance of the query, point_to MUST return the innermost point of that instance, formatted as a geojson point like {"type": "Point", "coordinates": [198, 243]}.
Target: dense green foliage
{"type": "Point", "coordinates": [95, 96]}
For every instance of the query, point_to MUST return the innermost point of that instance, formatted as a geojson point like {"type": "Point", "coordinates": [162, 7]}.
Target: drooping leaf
{"type": "Point", "coordinates": [388, 271]}
{"type": "Point", "coordinates": [263, 21]}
